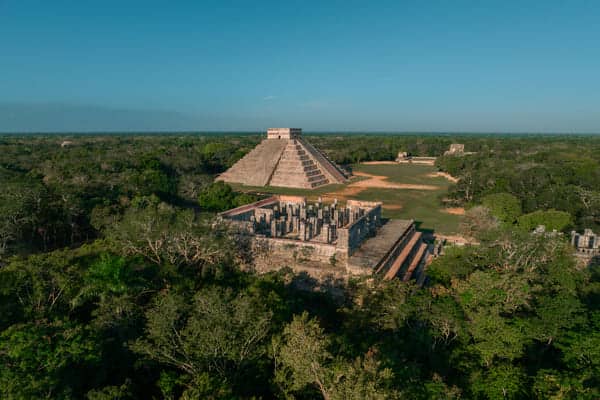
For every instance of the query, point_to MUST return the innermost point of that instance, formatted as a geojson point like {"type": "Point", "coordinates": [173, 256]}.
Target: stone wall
{"type": "Point", "coordinates": [361, 226]}
{"type": "Point", "coordinates": [317, 259]}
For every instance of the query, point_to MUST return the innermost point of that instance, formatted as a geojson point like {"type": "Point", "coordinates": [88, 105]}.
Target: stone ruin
{"type": "Point", "coordinates": [587, 246]}
{"type": "Point", "coordinates": [330, 240]}
{"type": "Point", "coordinates": [285, 159]}
{"type": "Point", "coordinates": [456, 149]}
{"type": "Point", "coordinates": [405, 157]}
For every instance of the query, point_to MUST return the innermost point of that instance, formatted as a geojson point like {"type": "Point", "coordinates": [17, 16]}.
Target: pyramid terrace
{"type": "Point", "coordinates": [285, 159]}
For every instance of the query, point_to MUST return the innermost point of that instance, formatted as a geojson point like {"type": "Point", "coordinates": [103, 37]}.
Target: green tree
{"type": "Point", "coordinates": [503, 206]}
{"type": "Point", "coordinates": [220, 337]}
{"type": "Point", "coordinates": [164, 234]}
{"type": "Point", "coordinates": [44, 359]}
{"type": "Point", "coordinates": [552, 219]}
{"type": "Point", "coordinates": [218, 196]}
{"type": "Point", "coordinates": [303, 362]}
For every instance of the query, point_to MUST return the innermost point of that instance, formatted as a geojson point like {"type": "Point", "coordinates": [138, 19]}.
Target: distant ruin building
{"type": "Point", "coordinates": [405, 157]}
{"type": "Point", "coordinates": [330, 239]}
{"type": "Point", "coordinates": [285, 159]}
{"type": "Point", "coordinates": [456, 149]}
{"type": "Point", "coordinates": [587, 246]}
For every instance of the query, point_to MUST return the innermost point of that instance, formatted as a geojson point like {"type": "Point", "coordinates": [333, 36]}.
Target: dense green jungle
{"type": "Point", "coordinates": [117, 283]}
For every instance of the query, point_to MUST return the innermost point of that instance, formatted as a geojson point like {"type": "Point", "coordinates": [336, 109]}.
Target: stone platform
{"type": "Point", "coordinates": [329, 239]}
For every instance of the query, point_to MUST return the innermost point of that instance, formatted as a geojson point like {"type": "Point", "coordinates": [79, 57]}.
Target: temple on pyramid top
{"type": "Point", "coordinates": [284, 133]}
{"type": "Point", "coordinates": [285, 159]}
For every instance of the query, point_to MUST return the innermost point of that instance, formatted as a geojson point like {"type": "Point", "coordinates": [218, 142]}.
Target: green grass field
{"type": "Point", "coordinates": [421, 205]}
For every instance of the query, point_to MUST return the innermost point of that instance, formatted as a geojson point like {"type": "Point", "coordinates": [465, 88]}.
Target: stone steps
{"type": "Point", "coordinates": [333, 171]}
{"type": "Point", "coordinates": [297, 169]}
{"type": "Point", "coordinates": [416, 261]}
{"type": "Point", "coordinates": [396, 267]}
{"type": "Point", "coordinates": [391, 238]}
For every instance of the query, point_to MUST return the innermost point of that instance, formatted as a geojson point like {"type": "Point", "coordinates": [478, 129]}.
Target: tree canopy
{"type": "Point", "coordinates": [117, 282]}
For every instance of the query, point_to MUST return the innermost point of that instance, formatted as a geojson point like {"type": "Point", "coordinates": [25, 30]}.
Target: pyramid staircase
{"type": "Point", "coordinates": [286, 163]}
{"type": "Point", "coordinates": [334, 171]}
{"type": "Point", "coordinates": [297, 169]}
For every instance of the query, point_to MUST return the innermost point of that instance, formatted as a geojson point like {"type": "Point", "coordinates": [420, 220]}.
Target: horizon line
{"type": "Point", "coordinates": [309, 132]}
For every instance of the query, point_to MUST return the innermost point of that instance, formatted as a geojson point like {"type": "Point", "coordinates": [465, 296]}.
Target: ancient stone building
{"type": "Point", "coordinates": [330, 239]}
{"type": "Point", "coordinates": [285, 159]}
{"type": "Point", "coordinates": [284, 133]}
{"type": "Point", "coordinates": [403, 156]}
{"type": "Point", "coordinates": [456, 149]}
{"type": "Point", "coordinates": [406, 158]}
{"type": "Point", "coordinates": [587, 246]}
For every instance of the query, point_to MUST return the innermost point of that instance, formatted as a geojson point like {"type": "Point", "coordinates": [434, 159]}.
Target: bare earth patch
{"type": "Point", "coordinates": [373, 181]}
{"type": "Point", "coordinates": [378, 181]}
{"type": "Point", "coordinates": [443, 175]}
{"type": "Point", "coordinates": [454, 210]}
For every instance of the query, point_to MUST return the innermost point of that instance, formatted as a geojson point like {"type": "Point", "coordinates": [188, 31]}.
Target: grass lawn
{"type": "Point", "coordinates": [404, 173]}
{"type": "Point", "coordinates": [421, 205]}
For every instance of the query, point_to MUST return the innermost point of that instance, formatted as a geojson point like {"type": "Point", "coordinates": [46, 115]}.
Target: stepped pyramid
{"type": "Point", "coordinates": [284, 159]}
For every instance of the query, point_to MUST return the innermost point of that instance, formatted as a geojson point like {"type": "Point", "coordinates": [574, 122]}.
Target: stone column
{"type": "Point", "coordinates": [325, 234]}
{"type": "Point", "coordinates": [302, 230]}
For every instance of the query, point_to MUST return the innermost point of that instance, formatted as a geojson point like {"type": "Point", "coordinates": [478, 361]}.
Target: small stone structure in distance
{"type": "Point", "coordinates": [587, 246]}
{"type": "Point", "coordinates": [330, 240]}
{"type": "Point", "coordinates": [406, 158]}
{"type": "Point", "coordinates": [285, 159]}
{"type": "Point", "coordinates": [456, 149]}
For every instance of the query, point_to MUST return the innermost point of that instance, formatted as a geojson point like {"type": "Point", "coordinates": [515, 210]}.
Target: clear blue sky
{"type": "Point", "coordinates": [325, 65]}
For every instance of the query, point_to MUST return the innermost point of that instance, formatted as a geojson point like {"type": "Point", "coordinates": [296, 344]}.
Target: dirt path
{"type": "Point", "coordinates": [443, 175]}
{"type": "Point", "coordinates": [454, 210]}
{"type": "Point", "coordinates": [373, 181]}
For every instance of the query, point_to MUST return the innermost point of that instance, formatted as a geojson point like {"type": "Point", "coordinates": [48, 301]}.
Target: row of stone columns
{"type": "Point", "coordinates": [315, 221]}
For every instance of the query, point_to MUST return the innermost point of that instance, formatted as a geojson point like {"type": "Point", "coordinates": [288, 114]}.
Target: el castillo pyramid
{"type": "Point", "coordinates": [284, 159]}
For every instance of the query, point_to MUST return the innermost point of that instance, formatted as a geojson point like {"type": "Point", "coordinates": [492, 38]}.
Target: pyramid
{"type": "Point", "coordinates": [284, 159]}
